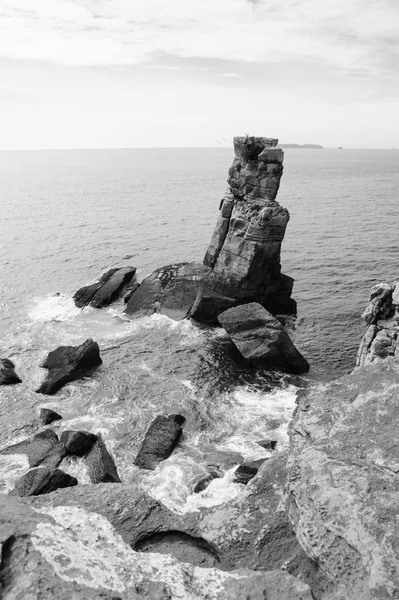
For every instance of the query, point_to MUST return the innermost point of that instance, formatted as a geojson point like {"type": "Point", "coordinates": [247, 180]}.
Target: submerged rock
{"type": "Point", "coordinates": [77, 442]}
{"type": "Point", "coordinates": [42, 449]}
{"type": "Point", "coordinates": [343, 486]}
{"type": "Point", "coordinates": [100, 464]}
{"type": "Point", "coordinates": [106, 290]}
{"type": "Point", "coordinates": [170, 290]}
{"type": "Point", "coordinates": [160, 440]}
{"type": "Point", "coordinates": [43, 480]}
{"type": "Point", "coordinates": [261, 338]}
{"type": "Point", "coordinates": [244, 253]}
{"type": "Point", "coordinates": [68, 363]}
{"type": "Point", "coordinates": [68, 552]}
{"type": "Point", "coordinates": [8, 375]}
{"type": "Point", "coordinates": [47, 416]}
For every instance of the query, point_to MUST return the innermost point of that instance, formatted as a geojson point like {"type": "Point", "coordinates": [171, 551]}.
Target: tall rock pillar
{"type": "Point", "coordinates": [244, 253]}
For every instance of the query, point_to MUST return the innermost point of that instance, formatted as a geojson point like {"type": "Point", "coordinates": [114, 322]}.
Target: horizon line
{"type": "Point", "coordinates": [179, 148]}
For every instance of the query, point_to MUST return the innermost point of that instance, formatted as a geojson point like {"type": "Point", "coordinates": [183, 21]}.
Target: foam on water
{"type": "Point", "coordinates": [12, 467]}
{"type": "Point", "coordinates": [57, 307]}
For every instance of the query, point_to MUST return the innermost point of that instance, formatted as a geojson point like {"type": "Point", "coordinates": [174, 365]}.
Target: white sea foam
{"type": "Point", "coordinates": [218, 491]}
{"type": "Point", "coordinates": [58, 307]}
{"type": "Point", "coordinates": [12, 467]}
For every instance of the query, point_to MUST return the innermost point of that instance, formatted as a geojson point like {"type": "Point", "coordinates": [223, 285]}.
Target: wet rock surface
{"type": "Point", "coordinates": [160, 440]}
{"type": "Point", "coordinates": [244, 253]}
{"type": "Point", "coordinates": [100, 464]}
{"type": "Point", "coordinates": [43, 480]}
{"type": "Point", "coordinates": [261, 338]}
{"type": "Point", "coordinates": [170, 290]}
{"type": "Point", "coordinates": [343, 489]}
{"type": "Point", "coordinates": [42, 449]}
{"type": "Point", "coordinates": [47, 416]}
{"type": "Point", "coordinates": [8, 375]}
{"type": "Point", "coordinates": [77, 442]}
{"type": "Point", "coordinates": [68, 363]}
{"type": "Point", "coordinates": [106, 290]}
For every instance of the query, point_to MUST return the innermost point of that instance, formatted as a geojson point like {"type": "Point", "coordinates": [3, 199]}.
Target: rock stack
{"type": "Point", "coordinates": [244, 253]}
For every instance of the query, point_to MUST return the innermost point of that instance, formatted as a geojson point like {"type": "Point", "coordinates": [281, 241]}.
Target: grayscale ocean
{"type": "Point", "coordinates": [69, 215]}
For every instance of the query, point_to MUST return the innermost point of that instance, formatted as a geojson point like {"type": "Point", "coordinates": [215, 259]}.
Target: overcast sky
{"type": "Point", "coordinates": [131, 73]}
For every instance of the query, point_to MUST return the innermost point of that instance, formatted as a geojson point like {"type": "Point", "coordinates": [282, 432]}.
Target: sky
{"type": "Point", "coordinates": [177, 73]}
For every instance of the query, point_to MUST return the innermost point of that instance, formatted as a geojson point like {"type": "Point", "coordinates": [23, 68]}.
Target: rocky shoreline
{"type": "Point", "coordinates": [317, 521]}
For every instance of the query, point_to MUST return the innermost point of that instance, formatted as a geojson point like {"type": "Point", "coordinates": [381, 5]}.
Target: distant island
{"type": "Point", "coordinates": [306, 146]}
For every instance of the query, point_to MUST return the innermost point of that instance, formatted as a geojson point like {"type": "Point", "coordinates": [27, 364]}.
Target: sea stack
{"type": "Point", "coordinates": [244, 253]}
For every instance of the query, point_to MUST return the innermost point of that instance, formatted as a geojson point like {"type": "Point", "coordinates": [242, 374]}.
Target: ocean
{"type": "Point", "coordinates": [68, 216]}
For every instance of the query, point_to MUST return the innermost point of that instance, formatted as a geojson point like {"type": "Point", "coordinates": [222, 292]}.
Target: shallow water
{"type": "Point", "coordinates": [70, 215]}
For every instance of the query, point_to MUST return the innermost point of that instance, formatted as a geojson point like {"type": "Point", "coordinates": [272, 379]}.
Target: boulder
{"type": "Point", "coordinates": [65, 552]}
{"type": "Point", "coordinates": [202, 484]}
{"type": "Point", "coordinates": [68, 363]}
{"type": "Point", "coordinates": [342, 490]}
{"type": "Point", "coordinates": [170, 290]}
{"type": "Point", "coordinates": [8, 375]}
{"type": "Point", "coordinates": [106, 290]}
{"type": "Point", "coordinates": [100, 464]}
{"type": "Point", "coordinates": [43, 480]}
{"type": "Point", "coordinates": [267, 444]}
{"type": "Point", "coordinates": [77, 442]}
{"type": "Point", "coordinates": [47, 416]}
{"type": "Point", "coordinates": [261, 338]}
{"type": "Point", "coordinates": [43, 449]}
{"type": "Point", "coordinates": [247, 471]}
{"type": "Point", "coordinates": [160, 440]}
{"type": "Point", "coordinates": [244, 252]}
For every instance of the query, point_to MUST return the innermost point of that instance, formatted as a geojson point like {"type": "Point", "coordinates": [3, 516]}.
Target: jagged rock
{"type": "Point", "coordinates": [244, 253]}
{"type": "Point", "coordinates": [42, 449]}
{"type": "Point", "coordinates": [67, 552]}
{"type": "Point", "coordinates": [68, 363]}
{"type": "Point", "coordinates": [214, 473]}
{"type": "Point", "coordinates": [261, 338]}
{"type": "Point", "coordinates": [160, 440]}
{"type": "Point", "coordinates": [267, 444]}
{"type": "Point", "coordinates": [382, 321]}
{"type": "Point", "coordinates": [343, 486]}
{"type": "Point", "coordinates": [131, 291]}
{"type": "Point", "coordinates": [100, 464]}
{"type": "Point", "coordinates": [43, 480]}
{"type": "Point", "coordinates": [247, 471]}
{"type": "Point", "coordinates": [47, 416]}
{"type": "Point", "coordinates": [77, 442]}
{"type": "Point", "coordinates": [8, 375]}
{"type": "Point", "coordinates": [170, 291]}
{"type": "Point", "coordinates": [106, 290]}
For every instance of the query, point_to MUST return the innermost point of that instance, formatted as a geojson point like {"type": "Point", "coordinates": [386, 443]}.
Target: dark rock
{"type": "Point", "coordinates": [106, 290]}
{"type": "Point", "coordinates": [131, 291]}
{"type": "Point", "coordinates": [247, 471]}
{"type": "Point", "coordinates": [267, 444]}
{"type": "Point", "coordinates": [42, 449]}
{"type": "Point", "coordinates": [100, 464]}
{"type": "Point", "coordinates": [7, 374]}
{"type": "Point", "coordinates": [214, 473]}
{"type": "Point", "coordinates": [43, 480]}
{"type": "Point", "coordinates": [68, 363]}
{"type": "Point", "coordinates": [261, 338]}
{"type": "Point", "coordinates": [170, 291]}
{"type": "Point", "coordinates": [161, 438]}
{"type": "Point", "coordinates": [244, 253]}
{"type": "Point", "coordinates": [77, 442]}
{"type": "Point", "coordinates": [47, 416]}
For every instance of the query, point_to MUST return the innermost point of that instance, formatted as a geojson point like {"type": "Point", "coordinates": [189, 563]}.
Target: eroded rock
{"type": "Point", "coordinates": [68, 363]}
{"type": "Point", "coordinates": [43, 480]}
{"type": "Point", "coordinates": [8, 375]}
{"type": "Point", "coordinates": [261, 338]}
{"type": "Point", "coordinates": [100, 464]}
{"type": "Point", "coordinates": [106, 290]}
{"type": "Point", "coordinates": [160, 440]}
{"type": "Point", "coordinates": [42, 449]}
{"type": "Point", "coordinates": [77, 442]}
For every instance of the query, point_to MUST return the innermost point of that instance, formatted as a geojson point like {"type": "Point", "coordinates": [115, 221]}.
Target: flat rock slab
{"type": "Point", "coordinates": [106, 290]}
{"type": "Point", "coordinates": [65, 552]}
{"type": "Point", "coordinates": [68, 363]}
{"type": "Point", "coordinates": [170, 290]}
{"type": "Point", "coordinates": [100, 464]}
{"type": "Point", "coordinates": [261, 338]}
{"type": "Point", "coordinates": [160, 440]}
{"type": "Point", "coordinates": [343, 484]}
{"type": "Point", "coordinates": [8, 375]}
{"type": "Point", "coordinates": [43, 480]}
{"type": "Point", "coordinates": [42, 449]}
{"type": "Point", "coordinates": [77, 443]}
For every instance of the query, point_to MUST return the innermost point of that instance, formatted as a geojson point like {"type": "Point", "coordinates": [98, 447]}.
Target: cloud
{"type": "Point", "coordinates": [350, 34]}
